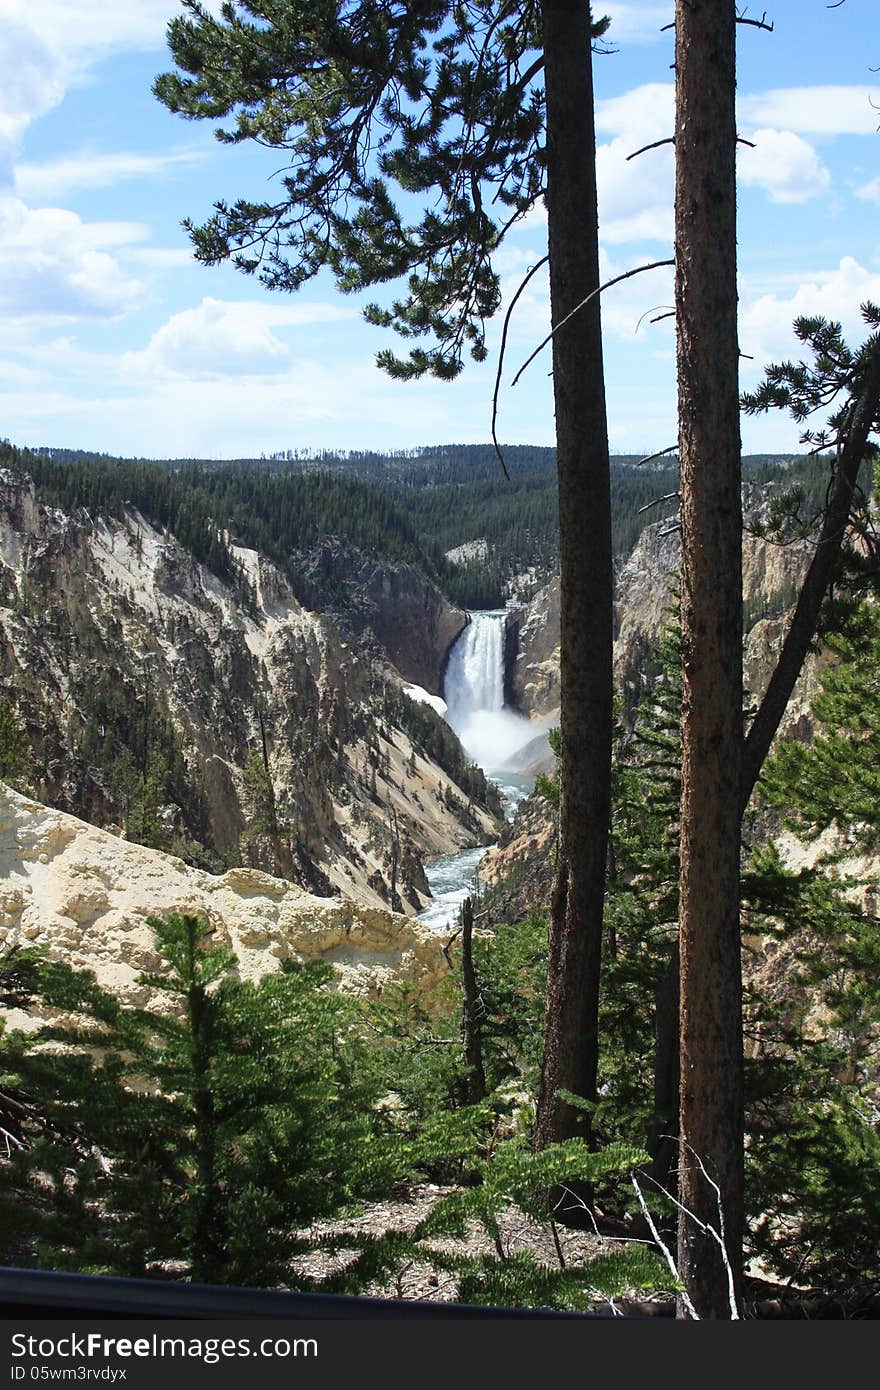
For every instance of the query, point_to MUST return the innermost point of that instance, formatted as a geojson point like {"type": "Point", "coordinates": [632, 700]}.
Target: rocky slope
{"type": "Point", "coordinates": [227, 721]}
{"type": "Point", "coordinates": [518, 869]}
{"type": "Point", "coordinates": [644, 594]}
{"type": "Point", "coordinates": [389, 608]}
{"type": "Point", "coordinates": [84, 895]}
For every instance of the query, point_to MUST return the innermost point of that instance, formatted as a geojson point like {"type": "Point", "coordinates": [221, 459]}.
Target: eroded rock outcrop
{"type": "Point", "coordinates": [84, 896]}
{"type": "Point", "coordinates": [518, 869]}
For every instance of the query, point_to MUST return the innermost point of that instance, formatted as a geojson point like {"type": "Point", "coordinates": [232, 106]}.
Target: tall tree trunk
{"type": "Point", "coordinates": [571, 1029]}
{"type": "Point", "coordinates": [471, 1027]}
{"type": "Point", "coordinates": [711, 1115]}
{"type": "Point", "coordinates": [662, 1142]}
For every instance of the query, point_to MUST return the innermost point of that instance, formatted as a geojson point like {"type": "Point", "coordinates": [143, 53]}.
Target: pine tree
{"type": "Point", "coordinates": [266, 820]}
{"type": "Point", "coordinates": [834, 781]}
{"type": "Point", "coordinates": [711, 1154]}
{"type": "Point", "coordinates": [217, 1127]}
{"type": "Point", "coordinates": [814, 1078]}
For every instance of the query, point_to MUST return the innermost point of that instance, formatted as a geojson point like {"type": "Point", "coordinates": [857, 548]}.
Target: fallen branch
{"type": "Point", "coordinates": [664, 1249]}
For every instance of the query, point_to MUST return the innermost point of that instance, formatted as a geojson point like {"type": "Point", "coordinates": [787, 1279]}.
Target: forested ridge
{"type": "Point", "coordinates": [410, 508]}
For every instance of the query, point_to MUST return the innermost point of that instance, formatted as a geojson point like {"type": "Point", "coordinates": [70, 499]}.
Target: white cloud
{"type": "Point", "coordinates": [82, 32]}
{"type": "Point", "coordinates": [47, 46]}
{"type": "Point", "coordinates": [765, 323]}
{"type": "Point", "coordinates": [636, 195]}
{"type": "Point", "coordinates": [227, 338]}
{"type": "Point", "coordinates": [634, 23]}
{"type": "Point", "coordinates": [784, 165]}
{"type": "Point", "coordinates": [91, 169]}
{"type": "Point", "coordinates": [55, 266]}
{"type": "Point", "coordinates": [159, 257]}
{"type": "Point", "coordinates": [870, 191]}
{"type": "Point", "coordinates": [32, 80]}
{"type": "Point", "coordinates": [313, 404]}
{"type": "Point", "coordinates": [628, 307]}
{"type": "Point", "coordinates": [643, 114]}
{"type": "Point", "coordinates": [819, 110]}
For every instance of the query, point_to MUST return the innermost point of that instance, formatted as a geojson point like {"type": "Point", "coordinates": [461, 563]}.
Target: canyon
{"type": "Point", "coordinates": [320, 740]}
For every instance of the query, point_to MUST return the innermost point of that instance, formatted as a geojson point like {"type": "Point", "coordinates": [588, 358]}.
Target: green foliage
{"type": "Point", "coordinates": [128, 744]}
{"type": "Point", "coordinates": [409, 508]}
{"type": "Point", "coordinates": [15, 754]}
{"type": "Point", "coordinates": [545, 784]}
{"type": "Point", "coordinates": [835, 780]}
{"type": "Point", "coordinates": [511, 970]}
{"type": "Point", "coordinates": [395, 121]}
{"type": "Point", "coordinates": [836, 373]}
{"type": "Point", "coordinates": [217, 1129]}
{"type": "Point", "coordinates": [515, 1179]}
{"type": "Point", "coordinates": [814, 1086]}
{"type": "Point", "coordinates": [424, 1059]}
{"type": "Point", "coordinates": [199, 1142]}
{"type": "Point", "coordinates": [813, 1158]}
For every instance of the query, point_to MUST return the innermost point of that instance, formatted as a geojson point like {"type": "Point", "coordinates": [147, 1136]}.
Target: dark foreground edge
{"type": "Point", "coordinates": [28, 1293]}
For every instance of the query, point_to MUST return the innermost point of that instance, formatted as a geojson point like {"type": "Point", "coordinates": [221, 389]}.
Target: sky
{"type": "Point", "coordinates": [115, 339]}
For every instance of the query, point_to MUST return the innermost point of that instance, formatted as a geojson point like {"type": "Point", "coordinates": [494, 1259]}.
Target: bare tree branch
{"type": "Point", "coordinates": [658, 502]}
{"type": "Point", "coordinates": [720, 1235]}
{"type": "Point", "coordinates": [643, 316]}
{"type": "Point", "coordinates": [649, 458]}
{"type": "Point", "coordinates": [663, 1248]}
{"type": "Point", "coordinates": [756, 23]}
{"type": "Point", "coordinates": [584, 302]}
{"type": "Point", "coordinates": [655, 145]}
{"type": "Point", "coordinates": [510, 308]}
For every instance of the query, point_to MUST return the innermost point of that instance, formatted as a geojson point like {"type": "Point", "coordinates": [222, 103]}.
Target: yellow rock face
{"type": "Point", "coordinates": [84, 895]}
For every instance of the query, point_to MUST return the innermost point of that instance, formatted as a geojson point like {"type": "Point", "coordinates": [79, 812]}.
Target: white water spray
{"type": "Point", "coordinates": [474, 693]}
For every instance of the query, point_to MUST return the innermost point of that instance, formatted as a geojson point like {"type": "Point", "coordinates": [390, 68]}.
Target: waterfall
{"type": "Point", "coordinates": [490, 734]}
{"type": "Point", "coordinates": [475, 671]}
{"type": "Point", "coordinates": [474, 693]}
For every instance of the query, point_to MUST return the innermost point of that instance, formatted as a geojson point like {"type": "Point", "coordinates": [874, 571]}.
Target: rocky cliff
{"type": "Point", "coordinates": [225, 720]}
{"type": "Point", "coordinates": [83, 895]}
{"type": "Point", "coordinates": [519, 869]}
{"type": "Point", "coordinates": [644, 594]}
{"type": "Point", "coordinates": [389, 607]}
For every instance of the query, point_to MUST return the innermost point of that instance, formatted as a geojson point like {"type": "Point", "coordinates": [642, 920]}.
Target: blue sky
{"type": "Point", "coordinates": [114, 339]}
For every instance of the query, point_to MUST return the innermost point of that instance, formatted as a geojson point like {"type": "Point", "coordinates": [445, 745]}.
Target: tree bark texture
{"type": "Point", "coordinates": [711, 1114]}
{"type": "Point", "coordinates": [575, 938]}
{"type": "Point", "coordinates": [471, 1012]}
